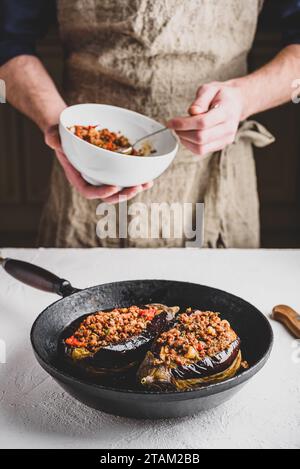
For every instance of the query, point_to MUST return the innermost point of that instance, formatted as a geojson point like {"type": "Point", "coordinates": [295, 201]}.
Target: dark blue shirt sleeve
{"type": "Point", "coordinates": [22, 23]}
{"type": "Point", "coordinates": [291, 23]}
{"type": "Point", "coordinates": [284, 16]}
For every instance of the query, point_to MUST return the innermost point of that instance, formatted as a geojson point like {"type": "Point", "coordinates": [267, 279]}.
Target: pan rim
{"type": "Point", "coordinates": [205, 389]}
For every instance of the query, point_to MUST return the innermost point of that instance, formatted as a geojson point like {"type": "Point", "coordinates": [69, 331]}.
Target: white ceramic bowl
{"type": "Point", "coordinates": [99, 166]}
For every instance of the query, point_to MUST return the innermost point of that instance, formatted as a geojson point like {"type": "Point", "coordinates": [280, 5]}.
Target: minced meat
{"type": "Point", "coordinates": [197, 334]}
{"type": "Point", "coordinates": [103, 328]}
{"type": "Point", "coordinates": [104, 138]}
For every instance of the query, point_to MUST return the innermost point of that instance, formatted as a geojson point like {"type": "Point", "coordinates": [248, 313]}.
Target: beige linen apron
{"type": "Point", "coordinates": [151, 57]}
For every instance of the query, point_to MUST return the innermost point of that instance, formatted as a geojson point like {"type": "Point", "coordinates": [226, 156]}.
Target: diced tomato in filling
{"type": "Point", "coordinates": [148, 314]}
{"type": "Point", "coordinates": [197, 334]}
{"type": "Point", "coordinates": [104, 138]}
{"type": "Point", "coordinates": [104, 328]}
{"type": "Point", "coordinates": [73, 342]}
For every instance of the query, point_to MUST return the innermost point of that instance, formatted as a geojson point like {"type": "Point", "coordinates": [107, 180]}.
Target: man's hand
{"type": "Point", "coordinates": [214, 118]}
{"type": "Point", "coordinates": [108, 194]}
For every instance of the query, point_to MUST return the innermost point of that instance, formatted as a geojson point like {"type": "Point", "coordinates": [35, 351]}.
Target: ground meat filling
{"type": "Point", "coordinates": [196, 335]}
{"type": "Point", "coordinates": [105, 328]}
{"type": "Point", "coordinates": [103, 138]}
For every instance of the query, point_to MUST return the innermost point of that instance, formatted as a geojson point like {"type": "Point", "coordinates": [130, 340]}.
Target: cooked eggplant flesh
{"type": "Point", "coordinates": [199, 348]}
{"type": "Point", "coordinates": [116, 340]}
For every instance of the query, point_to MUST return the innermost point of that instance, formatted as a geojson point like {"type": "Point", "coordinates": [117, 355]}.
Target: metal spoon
{"type": "Point", "coordinates": [129, 150]}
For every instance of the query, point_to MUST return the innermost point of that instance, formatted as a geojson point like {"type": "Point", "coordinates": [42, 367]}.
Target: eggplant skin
{"type": "Point", "coordinates": [209, 365]}
{"type": "Point", "coordinates": [223, 365]}
{"type": "Point", "coordinates": [121, 357]}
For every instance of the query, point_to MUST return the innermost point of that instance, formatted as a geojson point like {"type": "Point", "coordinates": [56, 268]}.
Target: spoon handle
{"type": "Point", "coordinates": [166, 128]}
{"type": "Point", "coordinates": [289, 317]}
{"type": "Point", "coordinates": [150, 135]}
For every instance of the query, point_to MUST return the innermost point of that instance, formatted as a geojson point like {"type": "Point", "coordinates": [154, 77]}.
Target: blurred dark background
{"type": "Point", "coordinates": [25, 162]}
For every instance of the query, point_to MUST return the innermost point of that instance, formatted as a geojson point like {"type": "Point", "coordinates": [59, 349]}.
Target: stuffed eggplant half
{"type": "Point", "coordinates": [199, 348]}
{"type": "Point", "coordinates": [110, 342]}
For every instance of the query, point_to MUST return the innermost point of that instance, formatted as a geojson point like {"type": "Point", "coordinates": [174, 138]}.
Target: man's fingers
{"type": "Point", "coordinates": [205, 96]}
{"type": "Point", "coordinates": [203, 150]}
{"type": "Point", "coordinates": [85, 189]}
{"type": "Point", "coordinates": [128, 193]}
{"type": "Point", "coordinates": [52, 138]}
{"type": "Point", "coordinates": [204, 137]}
{"type": "Point", "coordinates": [200, 122]}
{"type": "Point", "coordinates": [148, 185]}
{"type": "Point", "coordinates": [125, 194]}
{"type": "Point", "coordinates": [101, 192]}
{"type": "Point", "coordinates": [66, 163]}
{"type": "Point", "coordinates": [109, 194]}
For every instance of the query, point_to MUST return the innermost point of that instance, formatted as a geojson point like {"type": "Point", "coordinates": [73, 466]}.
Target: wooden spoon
{"type": "Point", "coordinates": [289, 317]}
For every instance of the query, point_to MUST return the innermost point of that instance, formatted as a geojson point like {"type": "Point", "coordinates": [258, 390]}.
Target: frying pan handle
{"type": "Point", "coordinates": [37, 277]}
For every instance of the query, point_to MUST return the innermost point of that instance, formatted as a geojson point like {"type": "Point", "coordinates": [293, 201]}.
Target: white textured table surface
{"type": "Point", "coordinates": [36, 412]}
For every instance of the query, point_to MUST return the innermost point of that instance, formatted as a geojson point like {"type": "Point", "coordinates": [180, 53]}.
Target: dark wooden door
{"type": "Point", "coordinates": [278, 166]}
{"type": "Point", "coordinates": [25, 164]}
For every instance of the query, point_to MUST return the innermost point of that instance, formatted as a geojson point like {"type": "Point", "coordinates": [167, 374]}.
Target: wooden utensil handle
{"type": "Point", "coordinates": [289, 317]}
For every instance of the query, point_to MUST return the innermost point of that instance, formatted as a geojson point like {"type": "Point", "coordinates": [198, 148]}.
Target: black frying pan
{"type": "Point", "coordinates": [249, 323]}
